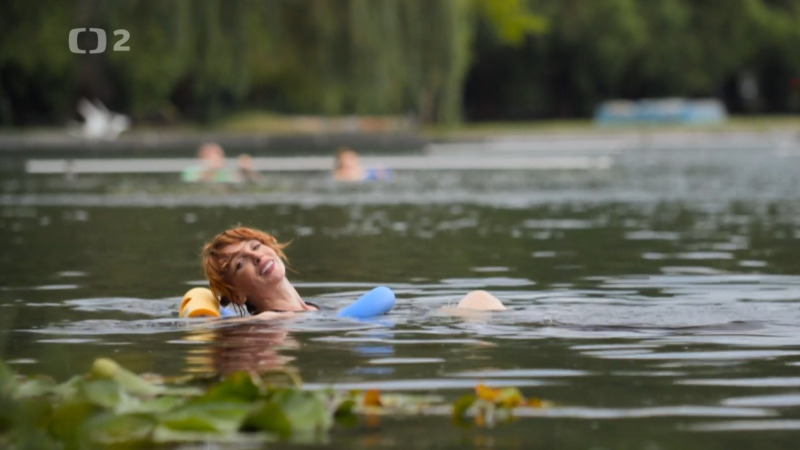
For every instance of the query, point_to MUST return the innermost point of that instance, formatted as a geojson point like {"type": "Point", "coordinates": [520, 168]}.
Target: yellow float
{"type": "Point", "coordinates": [199, 302]}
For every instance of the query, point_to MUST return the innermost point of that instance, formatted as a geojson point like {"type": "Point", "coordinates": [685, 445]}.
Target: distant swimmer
{"type": "Point", "coordinates": [210, 167]}
{"type": "Point", "coordinates": [347, 167]}
{"type": "Point", "coordinates": [246, 169]}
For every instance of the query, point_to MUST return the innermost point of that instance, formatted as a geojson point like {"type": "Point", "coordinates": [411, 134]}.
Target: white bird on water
{"type": "Point", "coordinates": [99, 123]}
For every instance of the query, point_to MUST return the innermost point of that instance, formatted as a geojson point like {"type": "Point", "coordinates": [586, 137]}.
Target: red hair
{"type": "Point", "coordinates": [215, 261]}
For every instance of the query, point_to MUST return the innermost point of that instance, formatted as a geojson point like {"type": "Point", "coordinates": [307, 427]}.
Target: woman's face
{"type": "Point", "coordinates": [348, 160]}
{"type": "Point", "coordinates": [254, 269]}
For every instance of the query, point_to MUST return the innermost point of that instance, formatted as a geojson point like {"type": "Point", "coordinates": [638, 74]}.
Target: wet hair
{"type": "Point", "coordinates": [216, 262]}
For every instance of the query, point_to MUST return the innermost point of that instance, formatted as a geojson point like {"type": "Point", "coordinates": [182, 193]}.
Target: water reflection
{"type": "Point", "coordinates": [252, 347]}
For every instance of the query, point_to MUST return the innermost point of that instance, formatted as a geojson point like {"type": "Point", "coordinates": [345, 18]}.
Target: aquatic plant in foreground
{"type": "Point", "coordinates": [111, 406]}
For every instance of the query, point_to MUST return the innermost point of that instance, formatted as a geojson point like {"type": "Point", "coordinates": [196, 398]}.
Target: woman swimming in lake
{"type": "Point", "coordinates": [247, 268]}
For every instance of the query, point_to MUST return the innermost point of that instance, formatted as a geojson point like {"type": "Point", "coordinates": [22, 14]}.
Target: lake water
{"type": "Point", "coordinates": [656, 302]}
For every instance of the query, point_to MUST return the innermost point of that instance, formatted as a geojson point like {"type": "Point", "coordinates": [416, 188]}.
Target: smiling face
{"type": "Point", "coordinates": [253, 269]}
{"type": "Point", "coordinates": [239, 242]}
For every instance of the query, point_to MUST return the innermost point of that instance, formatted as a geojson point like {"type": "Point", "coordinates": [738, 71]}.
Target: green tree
{"type": "Point", "coordinates": [36, 67]}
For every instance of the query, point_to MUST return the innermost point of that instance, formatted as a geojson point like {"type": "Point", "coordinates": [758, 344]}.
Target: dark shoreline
{"type": "Point", "coordinates": [179, 144]}
{"type": "Point", "coordinates": [15, 148]}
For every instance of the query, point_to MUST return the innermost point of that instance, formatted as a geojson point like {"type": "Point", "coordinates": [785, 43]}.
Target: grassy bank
{"type": "Point", "coordinates": [581, 126]}
{"type": "Point", "coordinates": [270, 123]}
{"type": "Point", "coordinates": [259, 124]}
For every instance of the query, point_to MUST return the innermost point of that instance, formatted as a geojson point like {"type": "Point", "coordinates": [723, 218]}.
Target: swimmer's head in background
{"type": "Point", "coordinates": [244, 162]}
{"type": "Point", "coordinates": [215, 261]}
{"type": "Point", "coordinates": [212, 155]}
{"type": "Point", "coordinates": [345, 157]}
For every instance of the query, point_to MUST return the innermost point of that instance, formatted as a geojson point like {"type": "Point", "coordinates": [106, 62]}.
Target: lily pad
{"type": "Point", "coordinates": [220, 417]}
{"type": "Point", "coordinates": [163, 434]}
{"type": "Point", "coordinates": [104, 393]}
{"type": "Point", "coordinates": [34, 387]}
{"type": "Point", "coordinates": [7, 382]}
{"type": "Point", "coordinates": [269, 418]}
{"type": "Point", "coordinates": [134, 384]}
{"type": "Point", "coordinates": [67, 419]}
{"type": "Point", "coordinates": [113, 407]}
{"type": "Point", "coordinates": [114, 429]}
{"type": "Point", "coordinates": [69, 389]}
{"type": "Point", "coordinates": [304, 410]}
{"type": "Point", "coordinates": [238, 386]}
{"type": "Point", "coordinates": [160, 405]}
{"type": "Point", "coordinates": [460, 408]}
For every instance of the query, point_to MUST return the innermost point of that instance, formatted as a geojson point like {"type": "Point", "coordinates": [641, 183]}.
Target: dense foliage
{"type": "Point", "coordinates": [637, 49]}
{"type": "Point", "coordinates": [437, 60]}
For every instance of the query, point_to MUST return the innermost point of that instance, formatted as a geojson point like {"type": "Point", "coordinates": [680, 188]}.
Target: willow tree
{"type": "Point", "coordinates": [312, 56]}
{"type": "Point", "coordinates": [36, 69]}
{"type": "Point", "coordinates": [196, 54]}
{"type": "Point", "coordinates": [203, 59]}
{"type": "Point", "coordinates": [383, 57]}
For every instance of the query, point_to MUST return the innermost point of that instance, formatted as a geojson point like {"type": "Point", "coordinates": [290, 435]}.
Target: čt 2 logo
{"type": "Point", "coordinates": [101, 40]}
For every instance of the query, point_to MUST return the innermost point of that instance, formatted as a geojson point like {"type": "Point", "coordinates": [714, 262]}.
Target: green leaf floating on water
{"type": "Point", "coordinates": [110, 429]}
{"type": "Point", "coordinates": [67, 419]}
{"type": "Point", "coordinates": [132, 383]}
{"type": "Point", "coordinates": [104, 393]}
{"type": "Point", "coordinates": [69, 389]}
{"type": "Point", "coordinates": [106, 368]}
{"type": "Point", "coordinates": [156, 406]}
{"type": "Point", "coordinates": [7, 383]}
{"type": "Point", "coordinates": [460, 408]}
{"type": "Point", "coordinates": [304, 410]}
{"type": "Point", "coordinates": [112, 407]}
{"type": "Point", "coordinates": [237, 386]}
{"type": "Point", "coordinates": [34, 387]}
{"type": "Point", "coordinates": [291, 412]}
{"type": "Point", "coordinates": [269, 418]}
{"type": "Point", "coordinates": [345, 413]}
{"type": "Point", "coordinates": [166, 435]}
{"type": "Point", "coordinates": [220, 417]}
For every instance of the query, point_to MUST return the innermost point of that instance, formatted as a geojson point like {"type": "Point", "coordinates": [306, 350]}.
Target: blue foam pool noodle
{"type": "Point", "coordinates": [374, 303]}
{"type": "Point", "coordinates": [224, 312]}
